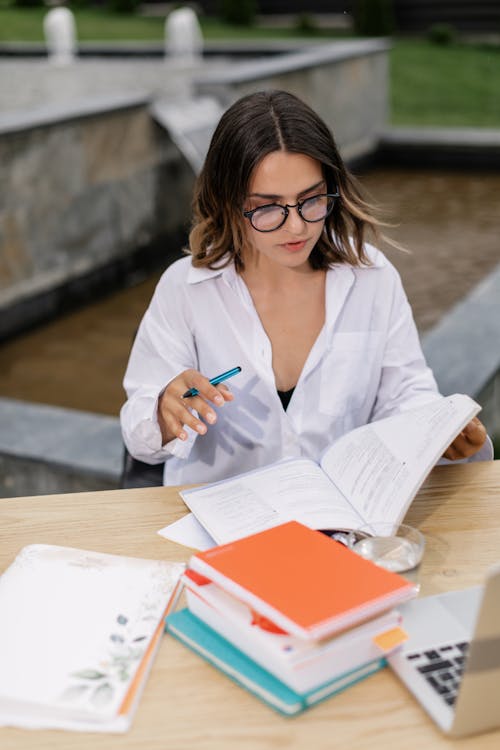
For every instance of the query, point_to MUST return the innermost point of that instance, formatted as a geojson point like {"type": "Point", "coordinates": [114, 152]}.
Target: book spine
{"type": "Point", "coordinates": [217, 651]}
{"type": "Point", "coordinates": [207, 643]}
{"type": "Point", "coordinates": [300, 670]}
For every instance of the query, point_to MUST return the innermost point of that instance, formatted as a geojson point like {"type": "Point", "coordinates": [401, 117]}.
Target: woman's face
{"type": "Point", "coordinates": [284, 178]}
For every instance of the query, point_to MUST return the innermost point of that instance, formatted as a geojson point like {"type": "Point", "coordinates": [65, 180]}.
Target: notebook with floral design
{"type": "Point", "coordinates": [78, 633]}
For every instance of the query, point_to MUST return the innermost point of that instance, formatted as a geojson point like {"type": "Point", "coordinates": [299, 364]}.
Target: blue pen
{"type": "Point", "coordinates": [213, 381]}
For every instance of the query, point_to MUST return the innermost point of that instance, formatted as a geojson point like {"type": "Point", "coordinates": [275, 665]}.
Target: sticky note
{"type": "Point", "coordinates": [390, 638]}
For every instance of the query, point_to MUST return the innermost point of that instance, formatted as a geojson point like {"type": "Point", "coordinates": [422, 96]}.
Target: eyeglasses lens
{"type": "Point", "coordinates": [268, 217]}
{"type": "Point", "coordinates": [316, 208]}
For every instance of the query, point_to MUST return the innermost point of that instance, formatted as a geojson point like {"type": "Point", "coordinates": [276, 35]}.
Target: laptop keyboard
{"type": "Point", "coordinates": [442, 668]}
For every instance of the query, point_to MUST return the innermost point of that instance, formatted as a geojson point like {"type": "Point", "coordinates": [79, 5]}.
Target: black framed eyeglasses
{"type": "Point", "coordinates": [272, 216]}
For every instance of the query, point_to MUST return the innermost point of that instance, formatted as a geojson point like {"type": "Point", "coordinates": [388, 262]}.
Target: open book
{"type": "Point", "coordinates": [370, 474]}
{"type": "Point", "coordinates": [78, 633]}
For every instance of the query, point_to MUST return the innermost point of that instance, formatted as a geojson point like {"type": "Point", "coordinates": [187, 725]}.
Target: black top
{"type": "Point", "coordinates": [285, 397]}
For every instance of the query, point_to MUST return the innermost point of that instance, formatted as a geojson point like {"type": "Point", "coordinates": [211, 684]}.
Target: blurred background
{"type": "Point", "coordinates": [106, 110]}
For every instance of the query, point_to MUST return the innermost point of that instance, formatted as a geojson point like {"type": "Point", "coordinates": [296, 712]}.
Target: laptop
{"type": "Point", "coordinates": [451, 661]}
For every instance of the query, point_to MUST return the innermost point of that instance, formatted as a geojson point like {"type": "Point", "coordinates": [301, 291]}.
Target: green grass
{"type": "Point", "coordinates": [98, 24]}
{"type": "Point", "coordinates": [92, 25]}
{"type": "Point", "coordinates": [457, 85]}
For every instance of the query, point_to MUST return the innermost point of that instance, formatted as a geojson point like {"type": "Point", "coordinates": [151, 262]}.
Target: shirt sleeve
{"type": "Point", "coordinates": [163, 348]}
{"type": "Point", "coordinates": [406, 381]}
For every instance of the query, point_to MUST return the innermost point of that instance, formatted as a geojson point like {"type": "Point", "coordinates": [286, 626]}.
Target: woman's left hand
{"type": "Point", "coordinates": [468, 442]}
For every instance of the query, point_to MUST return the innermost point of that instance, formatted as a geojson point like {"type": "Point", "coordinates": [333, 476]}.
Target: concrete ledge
{"type": "Point", "coordinates": [476, 137]}
{"type": "Point", "coordinates": [190, 124]}
{"type": "Point", "coordinates": [67, 437]}
{"type": "Point", "coordinates": [24, 477]}
{"type": "Point", "coordinates": [463, 349]}
{"type": "Point", "coordinates": [21, 120]}
{"type": "Point", "coordinates": [51, 449]}
{"type": "Point", "coordinates": [307, 58]}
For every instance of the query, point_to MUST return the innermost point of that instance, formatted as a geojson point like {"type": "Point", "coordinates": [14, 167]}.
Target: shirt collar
{"type": "Point", "coordinates": [228, 272]}
{"type": "Point", "coordinates": [376, 258]}
{"type": "Point", "coordinates": [197, 275]}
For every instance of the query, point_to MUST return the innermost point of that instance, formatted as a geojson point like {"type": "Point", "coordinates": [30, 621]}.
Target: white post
{"type": "Point", "coordinates": [183, 36]}
{"type": "Point", "coordinates": [60, 35]}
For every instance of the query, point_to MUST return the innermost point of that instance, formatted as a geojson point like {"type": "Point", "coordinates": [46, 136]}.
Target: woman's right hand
{"type": "Point", "coordinates": [174, 411]}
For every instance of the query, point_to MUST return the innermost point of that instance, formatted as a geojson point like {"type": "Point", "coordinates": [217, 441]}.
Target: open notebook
{"type": "Point", "coordinates": [78, 631]}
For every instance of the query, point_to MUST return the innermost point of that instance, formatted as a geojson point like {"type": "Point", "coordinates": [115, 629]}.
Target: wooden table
{"type": "Point", "coordinates": [187, 704]}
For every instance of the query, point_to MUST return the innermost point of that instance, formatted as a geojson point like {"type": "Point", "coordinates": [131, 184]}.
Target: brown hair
{"type": "Point", "coordinates": [253, 127]}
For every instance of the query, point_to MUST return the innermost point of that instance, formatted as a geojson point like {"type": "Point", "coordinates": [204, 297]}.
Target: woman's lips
{"type": "Point", "coordinates": [293, 247]}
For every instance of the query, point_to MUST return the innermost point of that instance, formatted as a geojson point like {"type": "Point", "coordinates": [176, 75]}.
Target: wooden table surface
{"type": "Point", "coordinates": [187, 704]}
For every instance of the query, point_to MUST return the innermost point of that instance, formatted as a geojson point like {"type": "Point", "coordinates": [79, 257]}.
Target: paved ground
{"type": "Point", "coordinates": [449, 222]}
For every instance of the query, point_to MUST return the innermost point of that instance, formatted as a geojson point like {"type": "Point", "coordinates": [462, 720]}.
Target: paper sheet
{"type": "Point", "coordinates": [189, 532]}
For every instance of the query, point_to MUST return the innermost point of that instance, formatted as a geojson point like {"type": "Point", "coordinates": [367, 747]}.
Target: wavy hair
{"type": "Point", "coordinates": [253, 127]}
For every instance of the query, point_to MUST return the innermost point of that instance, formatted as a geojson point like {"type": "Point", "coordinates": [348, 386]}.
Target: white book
{"type": "Point", "coordinates": [370, 474]}
{"type": "Point", "coordinates": [302, 665]}
{"type": "Point", "coordinates": [78, 633]}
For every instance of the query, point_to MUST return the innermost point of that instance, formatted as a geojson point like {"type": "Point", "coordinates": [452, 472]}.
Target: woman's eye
{"type": "Point", "coordinates": [271, 207]}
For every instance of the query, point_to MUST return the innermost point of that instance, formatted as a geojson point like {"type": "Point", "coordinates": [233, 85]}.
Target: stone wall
{"type": "Point", "coordinates": [79, 191]}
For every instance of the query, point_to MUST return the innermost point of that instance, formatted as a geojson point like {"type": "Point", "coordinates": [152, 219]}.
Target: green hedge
{"type": "Point", "coordinates": [237, 12]}
{"type": "Point", "coordinates": [374, 17]}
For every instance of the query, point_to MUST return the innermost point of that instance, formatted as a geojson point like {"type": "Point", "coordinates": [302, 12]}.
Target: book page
{"type": "Point", "coordinates": [380, 466]}
{"type": "Point", "coordinates": [291, 490]}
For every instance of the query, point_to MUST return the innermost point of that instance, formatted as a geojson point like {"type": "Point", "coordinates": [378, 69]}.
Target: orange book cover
{"type": "Point", "coordinates": [304, 581]}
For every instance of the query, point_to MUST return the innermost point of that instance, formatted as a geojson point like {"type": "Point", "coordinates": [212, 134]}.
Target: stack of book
{"type": "Point", "coordinates": [290, 614]}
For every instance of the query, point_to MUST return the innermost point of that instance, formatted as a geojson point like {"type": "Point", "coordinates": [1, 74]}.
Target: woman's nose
{"type": "Point", "coordinates": [295, 223]}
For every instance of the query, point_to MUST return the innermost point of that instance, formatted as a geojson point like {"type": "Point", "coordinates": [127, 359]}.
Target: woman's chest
{"type": "Point", "coordinates": [292, 325]}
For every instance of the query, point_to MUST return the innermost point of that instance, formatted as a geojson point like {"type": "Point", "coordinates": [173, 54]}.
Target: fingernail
{"type": "Point", "coordinates": [182, 436]}
{"type": "Point", "coordinates": [211, 418]}
{"type": "Point", "coordinates": [219, 400]}
{"type": "Point", "coordinates": [201, 429]}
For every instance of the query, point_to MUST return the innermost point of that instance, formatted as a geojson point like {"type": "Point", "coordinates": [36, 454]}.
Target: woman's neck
{"type": "Point", "coordinates": [261, 273]}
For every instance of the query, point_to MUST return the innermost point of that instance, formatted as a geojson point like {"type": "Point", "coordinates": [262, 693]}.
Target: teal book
{"type": "Point", "coordinates": [206, 642]}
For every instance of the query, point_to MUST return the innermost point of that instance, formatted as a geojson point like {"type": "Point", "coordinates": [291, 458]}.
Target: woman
{"type": "Point", "coordinates": [280, 281]}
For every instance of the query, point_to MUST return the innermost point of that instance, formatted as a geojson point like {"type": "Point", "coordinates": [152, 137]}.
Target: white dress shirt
{"type": "Point", "coordinates": [365, 364]}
